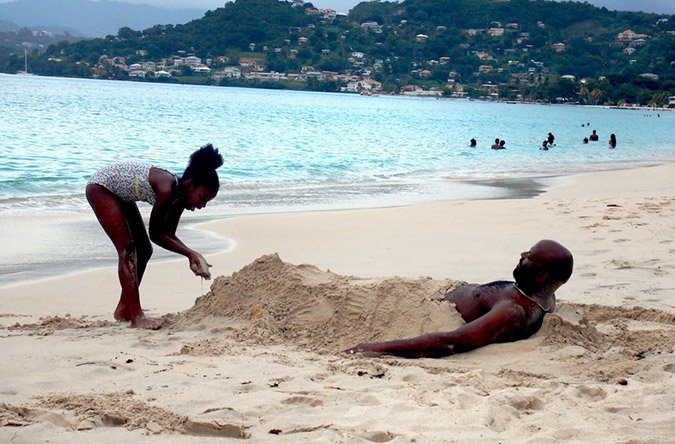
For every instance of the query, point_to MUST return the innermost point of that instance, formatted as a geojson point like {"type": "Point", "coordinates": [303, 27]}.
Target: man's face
{"type": "Point", "coordinates": [528, 267]}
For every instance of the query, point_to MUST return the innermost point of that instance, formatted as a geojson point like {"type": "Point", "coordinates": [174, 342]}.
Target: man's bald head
{"type": "Point", "coordinates": [546, 263]}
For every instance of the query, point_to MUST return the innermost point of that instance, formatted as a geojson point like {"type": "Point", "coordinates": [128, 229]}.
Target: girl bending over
{"type": "Point", "coordinates": [113, 192]}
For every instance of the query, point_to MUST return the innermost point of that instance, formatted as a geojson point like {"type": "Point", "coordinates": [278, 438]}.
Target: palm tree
{"type": "Point", "coordinates": [595, 96]}
{"type": "Point", "coordinates": [659, 99]}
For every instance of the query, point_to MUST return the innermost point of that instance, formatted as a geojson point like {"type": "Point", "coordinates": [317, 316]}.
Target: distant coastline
{"type": "Point", "coordinates": [426, 94]}
{"type": "Point", "coordinates": [519, 51]}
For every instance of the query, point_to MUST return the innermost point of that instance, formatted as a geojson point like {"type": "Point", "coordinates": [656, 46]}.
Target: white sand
{"type": "Point", "coordinates": [595, 373]}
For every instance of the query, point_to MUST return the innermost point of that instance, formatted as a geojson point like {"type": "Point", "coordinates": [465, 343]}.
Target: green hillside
{"type": "Point", "coordinates": [509, 50]}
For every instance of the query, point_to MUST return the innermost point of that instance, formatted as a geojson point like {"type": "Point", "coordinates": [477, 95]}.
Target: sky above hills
{"type": "Point", "coordinates": [657, 6]}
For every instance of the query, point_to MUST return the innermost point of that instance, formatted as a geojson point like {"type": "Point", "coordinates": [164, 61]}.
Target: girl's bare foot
{"type": "Point", "coordinates": [142, 322]}
{"type": "Point", "coordinates": [122, 313]}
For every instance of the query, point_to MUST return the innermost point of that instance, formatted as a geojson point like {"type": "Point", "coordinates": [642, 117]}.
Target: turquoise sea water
{"type": "Point", "coordinates": [285, 150]}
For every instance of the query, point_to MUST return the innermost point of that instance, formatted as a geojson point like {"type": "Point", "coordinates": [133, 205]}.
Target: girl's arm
{"type": "Point", "coordinates": [164, 219]}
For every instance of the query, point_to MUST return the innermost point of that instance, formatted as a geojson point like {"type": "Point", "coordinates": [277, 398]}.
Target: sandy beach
{"type": "Point", "coordinates": [254, 354]}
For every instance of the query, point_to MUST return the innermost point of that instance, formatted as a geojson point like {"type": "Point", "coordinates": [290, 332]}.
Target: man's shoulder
{"type": "Point", "coordinates": [494, 293]}
{"type": "Point", "coordinates": [496, 285]}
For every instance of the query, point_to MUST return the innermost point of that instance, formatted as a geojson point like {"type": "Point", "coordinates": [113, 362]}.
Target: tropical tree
{"type": "Point", "coordinates": [595, 96]}
{"type": "Point", "coordinates": [659, 99]}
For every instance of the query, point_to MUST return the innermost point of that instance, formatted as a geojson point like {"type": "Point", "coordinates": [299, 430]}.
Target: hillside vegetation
{"type": "Point", "coordinates": [508, 50]}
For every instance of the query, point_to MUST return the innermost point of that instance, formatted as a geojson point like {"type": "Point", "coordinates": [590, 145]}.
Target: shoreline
{"type": "Point", "coordinates": [203, 240]}
{"type": "Point", "coordinates": [246, 245]}
{"type": "Point", "coordinates": [634, 107]}
{"type": "Point", "coordinates": [88, 229]}
{"type": "Point", "coordinates": [527, 102]}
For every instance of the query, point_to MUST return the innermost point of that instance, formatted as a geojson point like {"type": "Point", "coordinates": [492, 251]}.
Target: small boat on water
{"type": "Point", "coordinates": [25, 63]}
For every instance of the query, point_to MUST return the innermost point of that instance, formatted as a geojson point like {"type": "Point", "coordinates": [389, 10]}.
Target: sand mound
{"type": "Point", "coordinates": [122, 410]}
{"type": "Point", "coordinates": [279, 302]}
{"type": "Point", "coordinates": [273, 302]}
{"type": "Point", "coordinates": [633, 332]}
{"type": "Point", "coordinates": [49, 324]}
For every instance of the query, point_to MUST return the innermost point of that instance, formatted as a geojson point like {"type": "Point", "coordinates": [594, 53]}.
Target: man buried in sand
{"type": "Point", "coordinates": [496, 312]}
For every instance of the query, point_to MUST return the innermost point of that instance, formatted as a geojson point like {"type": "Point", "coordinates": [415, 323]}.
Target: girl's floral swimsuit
{"type": "Point", "coordinates": [130, 181]}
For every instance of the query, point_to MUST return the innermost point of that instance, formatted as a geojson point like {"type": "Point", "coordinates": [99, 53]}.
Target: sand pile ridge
{"type": "Point", "coordinates": [305, 306]}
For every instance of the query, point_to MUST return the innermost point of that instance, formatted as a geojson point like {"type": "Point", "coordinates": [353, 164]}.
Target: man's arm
{"type": "Point", "coordinates": [505, 322]}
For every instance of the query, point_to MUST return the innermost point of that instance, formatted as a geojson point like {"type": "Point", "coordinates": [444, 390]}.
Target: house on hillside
{"type": "Point", "coordinates": [367, 85]}
{"type": "Point", "coordinates": [230, 72]}
{"type": "Point", "coordinates": [315, 75]}
{"type": "Point", "coordinates": [193, 61]}
{"type": "Point", "coordinates": [491, 89]}
{"type": "Point", "coordinates": [649, 75]}
{"type": "Point", "coordinates": [372, 27]}
{"type": "Point", "coordinates": [629, 35]}
{"type": "Point", "coordinates": [484, 56]}
{"type": "Point", "coordinates": [137, 73]}
{"type": "Point", "coordinates": [251, 64]}
{"type": "Point", "coordinates": [266, 76]}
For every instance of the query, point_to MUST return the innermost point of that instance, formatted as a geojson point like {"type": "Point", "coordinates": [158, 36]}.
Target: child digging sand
{"type": "Point", "coordinates": [113, 192]}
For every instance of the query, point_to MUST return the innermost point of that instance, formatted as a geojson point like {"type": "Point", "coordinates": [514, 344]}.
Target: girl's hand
{"type": "Point", "coordinates": [199, 266]}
